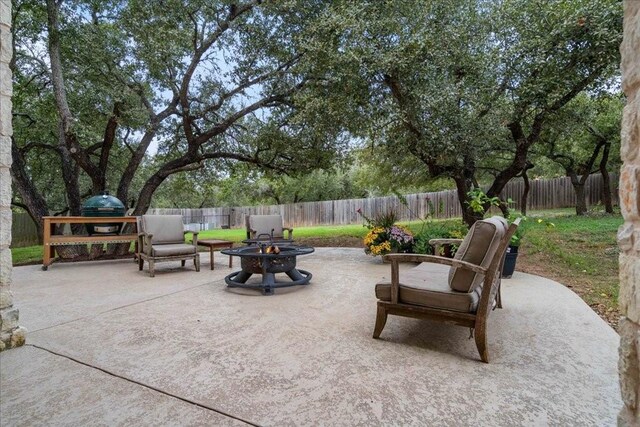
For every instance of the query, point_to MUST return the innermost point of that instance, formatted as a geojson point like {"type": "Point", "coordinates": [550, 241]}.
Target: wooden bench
{"type": "Point", "coordinates": [50, 240]}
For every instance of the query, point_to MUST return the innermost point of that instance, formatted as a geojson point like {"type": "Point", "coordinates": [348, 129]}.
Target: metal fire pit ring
{"type": "Point", "coordinates": [252, 261]}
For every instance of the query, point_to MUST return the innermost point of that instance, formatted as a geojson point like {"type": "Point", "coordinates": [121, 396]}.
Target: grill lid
{"type": "Point", "coordinates": [103, 202]}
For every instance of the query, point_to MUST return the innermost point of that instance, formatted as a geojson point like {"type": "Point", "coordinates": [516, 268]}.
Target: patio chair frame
{"type": "Point", "coordinates": [145, 250]}
{"type": "Point", "coordinates": [253, 234]}
{"type": "Point", "coordinates": [476, 321]}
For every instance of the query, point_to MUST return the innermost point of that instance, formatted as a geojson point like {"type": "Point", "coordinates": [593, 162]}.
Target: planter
{"type": "Point", "coordinates": [510, 262]}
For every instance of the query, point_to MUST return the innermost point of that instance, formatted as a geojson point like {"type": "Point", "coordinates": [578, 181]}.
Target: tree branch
{"type": "Point", "coordinates": [235, 12]}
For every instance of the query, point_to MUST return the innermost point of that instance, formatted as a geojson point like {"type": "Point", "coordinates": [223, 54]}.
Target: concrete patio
{"type": "Point", "coordinates": [107, 345]}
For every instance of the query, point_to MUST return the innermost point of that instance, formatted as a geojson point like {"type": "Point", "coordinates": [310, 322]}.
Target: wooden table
{"type": "Point", "coordinates": [50, 240]}
{"type": "Point", "coordinates": [216, 244]}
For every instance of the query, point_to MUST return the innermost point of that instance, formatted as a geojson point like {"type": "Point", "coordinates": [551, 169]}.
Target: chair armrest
{"type": "Point", "coordinates": [397, 258]}
{"type": "Point", "coordinates": [445, 241]}
{"type": "Point", "coordinates": [195, 236]}
{"type": "Point", "coordinates": [146, 239]}
{"type": "Point", "coordinates": [437, 243]}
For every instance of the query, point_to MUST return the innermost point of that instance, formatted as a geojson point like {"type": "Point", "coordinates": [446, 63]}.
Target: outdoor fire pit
{"type": "Point", "coordinates": [256, 260]}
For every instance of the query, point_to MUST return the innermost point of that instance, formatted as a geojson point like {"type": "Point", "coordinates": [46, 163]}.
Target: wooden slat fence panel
{"type": "Point", "coordinates": [23, 231]}
{"type": "Point", "coordinates": [544, 194]}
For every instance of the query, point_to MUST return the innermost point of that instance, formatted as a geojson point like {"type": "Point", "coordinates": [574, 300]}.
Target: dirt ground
{"type": "Point", "coordinates": [542, 265]}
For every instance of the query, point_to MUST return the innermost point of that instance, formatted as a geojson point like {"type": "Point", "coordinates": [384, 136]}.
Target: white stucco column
{"type": "Point", "coordinates": [11, 335]}
{"type": "Point", "coordinates": [629, 233]}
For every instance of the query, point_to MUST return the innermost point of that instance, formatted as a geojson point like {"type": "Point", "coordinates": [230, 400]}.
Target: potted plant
{"type": "Point", "coordinates": [385, 236]}
{"type": "Point", "coordinates": [512, 252]}
{"type": "Point", "coordinates": [515, 242]}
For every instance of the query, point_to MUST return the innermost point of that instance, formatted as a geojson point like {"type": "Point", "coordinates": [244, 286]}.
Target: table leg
{"type": "Point", "coordinates": [230, 257]}
{"type": "Point", "coordinates": [211, 256]}
{"type": "Point", "coordinates": [46, 255]}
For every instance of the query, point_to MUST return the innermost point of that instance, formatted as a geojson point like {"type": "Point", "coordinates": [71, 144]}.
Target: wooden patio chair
{"type": "Point", "coordinates": [261, 226]}
{"type": "Point", "coordinates": [461, 290]}
{"type": "Point", "coordinates": [161, 238]}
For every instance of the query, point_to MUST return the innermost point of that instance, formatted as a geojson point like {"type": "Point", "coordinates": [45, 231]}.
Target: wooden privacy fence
{"type": "Point", "coordinates": [23, 231]}
{"type": "Point", "coordinates": [544, 194]}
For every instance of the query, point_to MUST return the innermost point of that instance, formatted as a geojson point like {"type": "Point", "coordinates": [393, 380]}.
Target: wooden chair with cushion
{"type": "Point", "coordinates": [161, 238]}
{"type": "Point", "coordinates": [261, 226]}
{"type": "Point", "coordinates": [461, 290]}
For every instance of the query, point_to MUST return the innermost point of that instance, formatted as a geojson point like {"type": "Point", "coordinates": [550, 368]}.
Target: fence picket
{"type": "Point", "coordinates": [544, 194]}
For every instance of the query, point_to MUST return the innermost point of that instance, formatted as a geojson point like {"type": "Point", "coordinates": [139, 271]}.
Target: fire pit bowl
{"type": "Point", "coordinates": [254, 260]}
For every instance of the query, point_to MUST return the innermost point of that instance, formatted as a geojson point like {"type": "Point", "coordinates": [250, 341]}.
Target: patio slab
{"type": "Point", "coordinates": [39, 388]}
{"type": "Point", "coordinates": [306, 356]}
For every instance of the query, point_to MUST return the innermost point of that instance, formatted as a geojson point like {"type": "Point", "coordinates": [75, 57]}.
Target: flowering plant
{"type": "Point", "coordinates": [384, 236]}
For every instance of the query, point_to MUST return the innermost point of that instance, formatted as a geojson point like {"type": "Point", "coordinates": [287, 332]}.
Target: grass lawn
{"type": "Point", "coordinates": [579, 252]}
{"type": "Point", "coordinates": [317, 232]}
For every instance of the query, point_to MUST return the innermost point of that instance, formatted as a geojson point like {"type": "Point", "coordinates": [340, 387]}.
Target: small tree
{"type": "Point", "coordinates": [580, 141]}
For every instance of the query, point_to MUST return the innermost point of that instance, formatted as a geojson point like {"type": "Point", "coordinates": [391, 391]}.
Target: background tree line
{"type": "Point", "coordinates": [219, 102]}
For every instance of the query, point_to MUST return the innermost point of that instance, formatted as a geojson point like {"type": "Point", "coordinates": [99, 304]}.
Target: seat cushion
{"type": "Point", "coordinates": [427, 286]}
{"type": "Point", "coordinates": [478, 247]}
{"type": "Point", "coordinates": [164, 228]}
{"type": "Point", "coordinates": [263, 224]}
{"type": "Point", "coordinates": [172, 249]}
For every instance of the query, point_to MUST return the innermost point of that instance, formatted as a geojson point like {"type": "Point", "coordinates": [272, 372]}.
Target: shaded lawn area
{"type": "Point", "coordinates": [579, 252]}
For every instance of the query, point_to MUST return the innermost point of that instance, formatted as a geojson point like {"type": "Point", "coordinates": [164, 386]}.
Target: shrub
{"type": "Point", "coordinates": [433, 230]}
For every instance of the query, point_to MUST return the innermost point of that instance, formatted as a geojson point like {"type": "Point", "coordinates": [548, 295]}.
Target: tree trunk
{"type": "Point", "coordinates": [74, 200]}
{"type": "Point", "coordinates": [527, 186]}
{"type": "Point", "coordinates": [581, 200]}
{"type": "Point", "coordinates": [34, 202]}
{"type": "Point", "coordinates": [504, 208]}
{"type": "Point", "coordinates": [606, 182]}
{"type": "Point", "coordinates": [463, 186]}
{"type": "Point", "coordinates": [524, 199]}
{"type": "Point", "coordinates": [581, 197]}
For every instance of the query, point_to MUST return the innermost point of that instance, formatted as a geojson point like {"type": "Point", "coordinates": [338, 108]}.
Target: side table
{"type": "Point", "coordinates": [216, 244]}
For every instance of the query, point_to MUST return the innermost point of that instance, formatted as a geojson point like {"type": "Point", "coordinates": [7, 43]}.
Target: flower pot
{"type": "Point", "coordinates": [510, 262]}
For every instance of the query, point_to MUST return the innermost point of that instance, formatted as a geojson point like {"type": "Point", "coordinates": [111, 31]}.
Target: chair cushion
{"type": "Point", "coordinates": [165, 228]}
{"type": "Point", "coordinates": [478, 247]}
{"type": "Point", "coordinates": [173, 249]}
{"type": "Point", "coordinates": [429, 288]}
{"type": "Point", "coordinates": [263, 224]}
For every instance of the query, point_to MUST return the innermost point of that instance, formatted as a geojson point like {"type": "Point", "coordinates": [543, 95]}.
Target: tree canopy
{"type": "Point", "coordinates": [462, 86]}
{"type": "Point", "coordinates": [97, 83]}
{"type": "Point", "coordinates": [127, 95]}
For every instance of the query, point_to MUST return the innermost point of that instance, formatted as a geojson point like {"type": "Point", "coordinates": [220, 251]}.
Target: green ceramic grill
{"type": "Point", "coordinates": [103, 205]}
